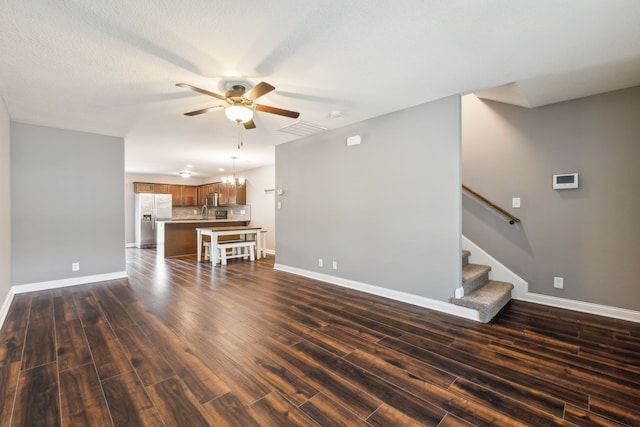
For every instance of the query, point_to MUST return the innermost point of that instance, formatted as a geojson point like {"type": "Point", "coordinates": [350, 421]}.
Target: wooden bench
{"type": "Point", "coordinates": [208, 251]}
{"type": "Point", "coordinates": [239, 249]}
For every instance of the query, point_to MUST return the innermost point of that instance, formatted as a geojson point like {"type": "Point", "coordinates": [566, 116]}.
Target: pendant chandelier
{"type": "Point", "coordinates": [231, 179]}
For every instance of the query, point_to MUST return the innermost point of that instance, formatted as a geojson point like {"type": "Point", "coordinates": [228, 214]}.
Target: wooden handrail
{"type": "Point", "coordinates": [512, 219]}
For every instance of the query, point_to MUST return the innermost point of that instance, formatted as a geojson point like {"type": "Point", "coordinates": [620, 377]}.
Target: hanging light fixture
{"type": "Point", "coordinates": [232, 179]}
{"type": "Point", "coordinates": [238, 113]}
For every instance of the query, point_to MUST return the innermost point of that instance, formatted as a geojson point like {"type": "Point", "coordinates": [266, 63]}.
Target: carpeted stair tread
{"type": "Point", "coordinates": [474, 276]}
{"type": "Point", "coordinates": [465, 257]}
{"type": "Point", "coordinates": [487, 299]}
{"type": "Point", "coordinates": [481, 294]}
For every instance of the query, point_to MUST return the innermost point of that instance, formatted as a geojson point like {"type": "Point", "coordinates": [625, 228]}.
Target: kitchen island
{"type": "Point", "coordinates": [179, 237]}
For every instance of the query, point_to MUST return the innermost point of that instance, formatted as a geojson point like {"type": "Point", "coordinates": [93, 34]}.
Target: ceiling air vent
{"type": "Point", "coordinates": [302, 129]}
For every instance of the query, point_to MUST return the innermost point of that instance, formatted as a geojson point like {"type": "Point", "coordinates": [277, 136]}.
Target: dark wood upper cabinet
{"type": "Point", "coordinates": [147, 187]}
{"type": "Point", "coordinates": [191, 195]}
{"type": "Point", "coordinates": [233, 195]}
{"type": "Point", "coordinates": [161, 188]}
{"type": "Point", "coordinates": [143, 187]}
{"type": "Point", "coordinates": [206, 189]}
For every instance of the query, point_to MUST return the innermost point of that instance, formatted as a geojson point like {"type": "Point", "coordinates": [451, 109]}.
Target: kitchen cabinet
{"type": "Point", "coordinates": [183, 195]}
{"type": "Point", "coordinates": [233, 195]}
{"type": "Point", "coordinates": [147, 187]}
{"type": "Point", "coordinates": [202, 194]}
{"type": "Point", "coordinates": [176, 195]}
{"type": "Point", "coordinates": [189, 195]}
{"type": "Point", "coordinates": [161, 188]}
{"type": "Point", "coordinates": [143, 187]}
{"type": "Point", "coordinates": [205, 189]}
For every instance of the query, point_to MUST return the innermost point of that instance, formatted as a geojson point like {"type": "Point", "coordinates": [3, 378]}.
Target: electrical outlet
{"type": "Point", "coordinates": [75, 266]}
{"type": "Point", "coordinates": [558, 282]}
{"type": "Point", "coordinates": [195, 211]}
{"type": "Point", "coordinates": [515, 202]}
{"type": "Point", "coordinates": [320, 262]}
{"type": "Point", "coordinates": [335, 265]}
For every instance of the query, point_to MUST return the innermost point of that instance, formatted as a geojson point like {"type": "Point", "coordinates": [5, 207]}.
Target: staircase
{"type": "Point", "coordinates": [480, 293]}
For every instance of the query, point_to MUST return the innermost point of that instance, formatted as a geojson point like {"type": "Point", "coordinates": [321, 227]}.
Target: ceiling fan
{"type": "Point", "coordinates": [239, 103]}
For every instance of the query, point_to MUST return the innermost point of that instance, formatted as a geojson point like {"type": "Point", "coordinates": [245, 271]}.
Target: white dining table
{"type": "Point", "coordinates": [215, 232]}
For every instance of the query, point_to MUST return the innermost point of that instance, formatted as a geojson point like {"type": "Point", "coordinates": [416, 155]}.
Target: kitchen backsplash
{"type": "Point", "coordinates": [236, 212]}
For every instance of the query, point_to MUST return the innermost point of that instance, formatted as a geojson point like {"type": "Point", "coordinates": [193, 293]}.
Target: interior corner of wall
{"type": "Point", "coordinates": [4, 309]}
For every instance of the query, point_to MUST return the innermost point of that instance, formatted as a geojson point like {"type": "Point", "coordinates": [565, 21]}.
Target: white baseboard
{"type": "Point", "coordinates": [585, 307]}
{"type": "Point", "coordinates": [521, 288]}
{"type": "Point", "coordinates": [54, 284]}
{"type": "Point", "coordinates": [433, 304]}
{"type": "Point", "coordinates": [5, 307]}
{"type": "Point", "coordinates": [129, 245]}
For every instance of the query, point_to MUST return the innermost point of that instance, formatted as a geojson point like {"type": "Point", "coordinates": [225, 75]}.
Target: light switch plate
{"type": "Point", "coordinates": [515, 202]}
{"type": "Point", "coordinates": [558, 282]}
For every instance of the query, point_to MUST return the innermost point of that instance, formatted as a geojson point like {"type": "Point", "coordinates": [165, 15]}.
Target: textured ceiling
{"type": "Point", "coordinates": [110, 67]}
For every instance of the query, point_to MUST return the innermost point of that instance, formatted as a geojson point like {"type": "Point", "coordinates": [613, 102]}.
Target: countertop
{"type": "Point", "coordinates": [193, 221]}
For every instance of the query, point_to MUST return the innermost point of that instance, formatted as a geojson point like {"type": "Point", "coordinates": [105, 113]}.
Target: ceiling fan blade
{"type": "Point", "coordinates": [249, 124]}
{"type": "Point", "coordinates": [202, 91]}
{"type": "Point", "coordinates": [278, 111]}
{"type": "Point", "coordinates": [204, 110]}
{"type": "Point", "coordinates": [258, 90]}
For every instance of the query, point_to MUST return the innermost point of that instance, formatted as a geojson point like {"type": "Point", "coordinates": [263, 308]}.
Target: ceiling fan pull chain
{"type": "Point", "coordinates": [240, 144]}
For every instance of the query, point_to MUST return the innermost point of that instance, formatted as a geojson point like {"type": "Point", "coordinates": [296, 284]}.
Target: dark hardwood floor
{"type": "Point", "coordinates": [185, 344]}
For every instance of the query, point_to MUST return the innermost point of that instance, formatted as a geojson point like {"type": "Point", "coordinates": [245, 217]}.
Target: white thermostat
{"type": "Point", "coordinates": [565, 181]}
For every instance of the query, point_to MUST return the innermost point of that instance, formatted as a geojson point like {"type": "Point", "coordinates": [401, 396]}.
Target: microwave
{"type": "Point", "coordinates": [213, 199]}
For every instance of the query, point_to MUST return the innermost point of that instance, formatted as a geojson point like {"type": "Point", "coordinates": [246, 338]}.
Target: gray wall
{"type": "Point", "coordinates": [67, 203]}
{"type": "Point", "coordinates": [588, 236]}
{"type": "Point", "coordinates": [5, 203]}
{"type": "Point", "coordinates": [388, 210]}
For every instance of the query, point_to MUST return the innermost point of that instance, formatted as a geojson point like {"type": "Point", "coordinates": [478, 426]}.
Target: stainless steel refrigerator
{"type": "Point", "coordinates": [149, 209]}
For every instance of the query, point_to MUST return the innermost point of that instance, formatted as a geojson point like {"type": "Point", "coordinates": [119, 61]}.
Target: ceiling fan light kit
{"type": "Point", "coordinates": [240, 103]}
{"type": "Point", "coordinates": [238, 113]}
